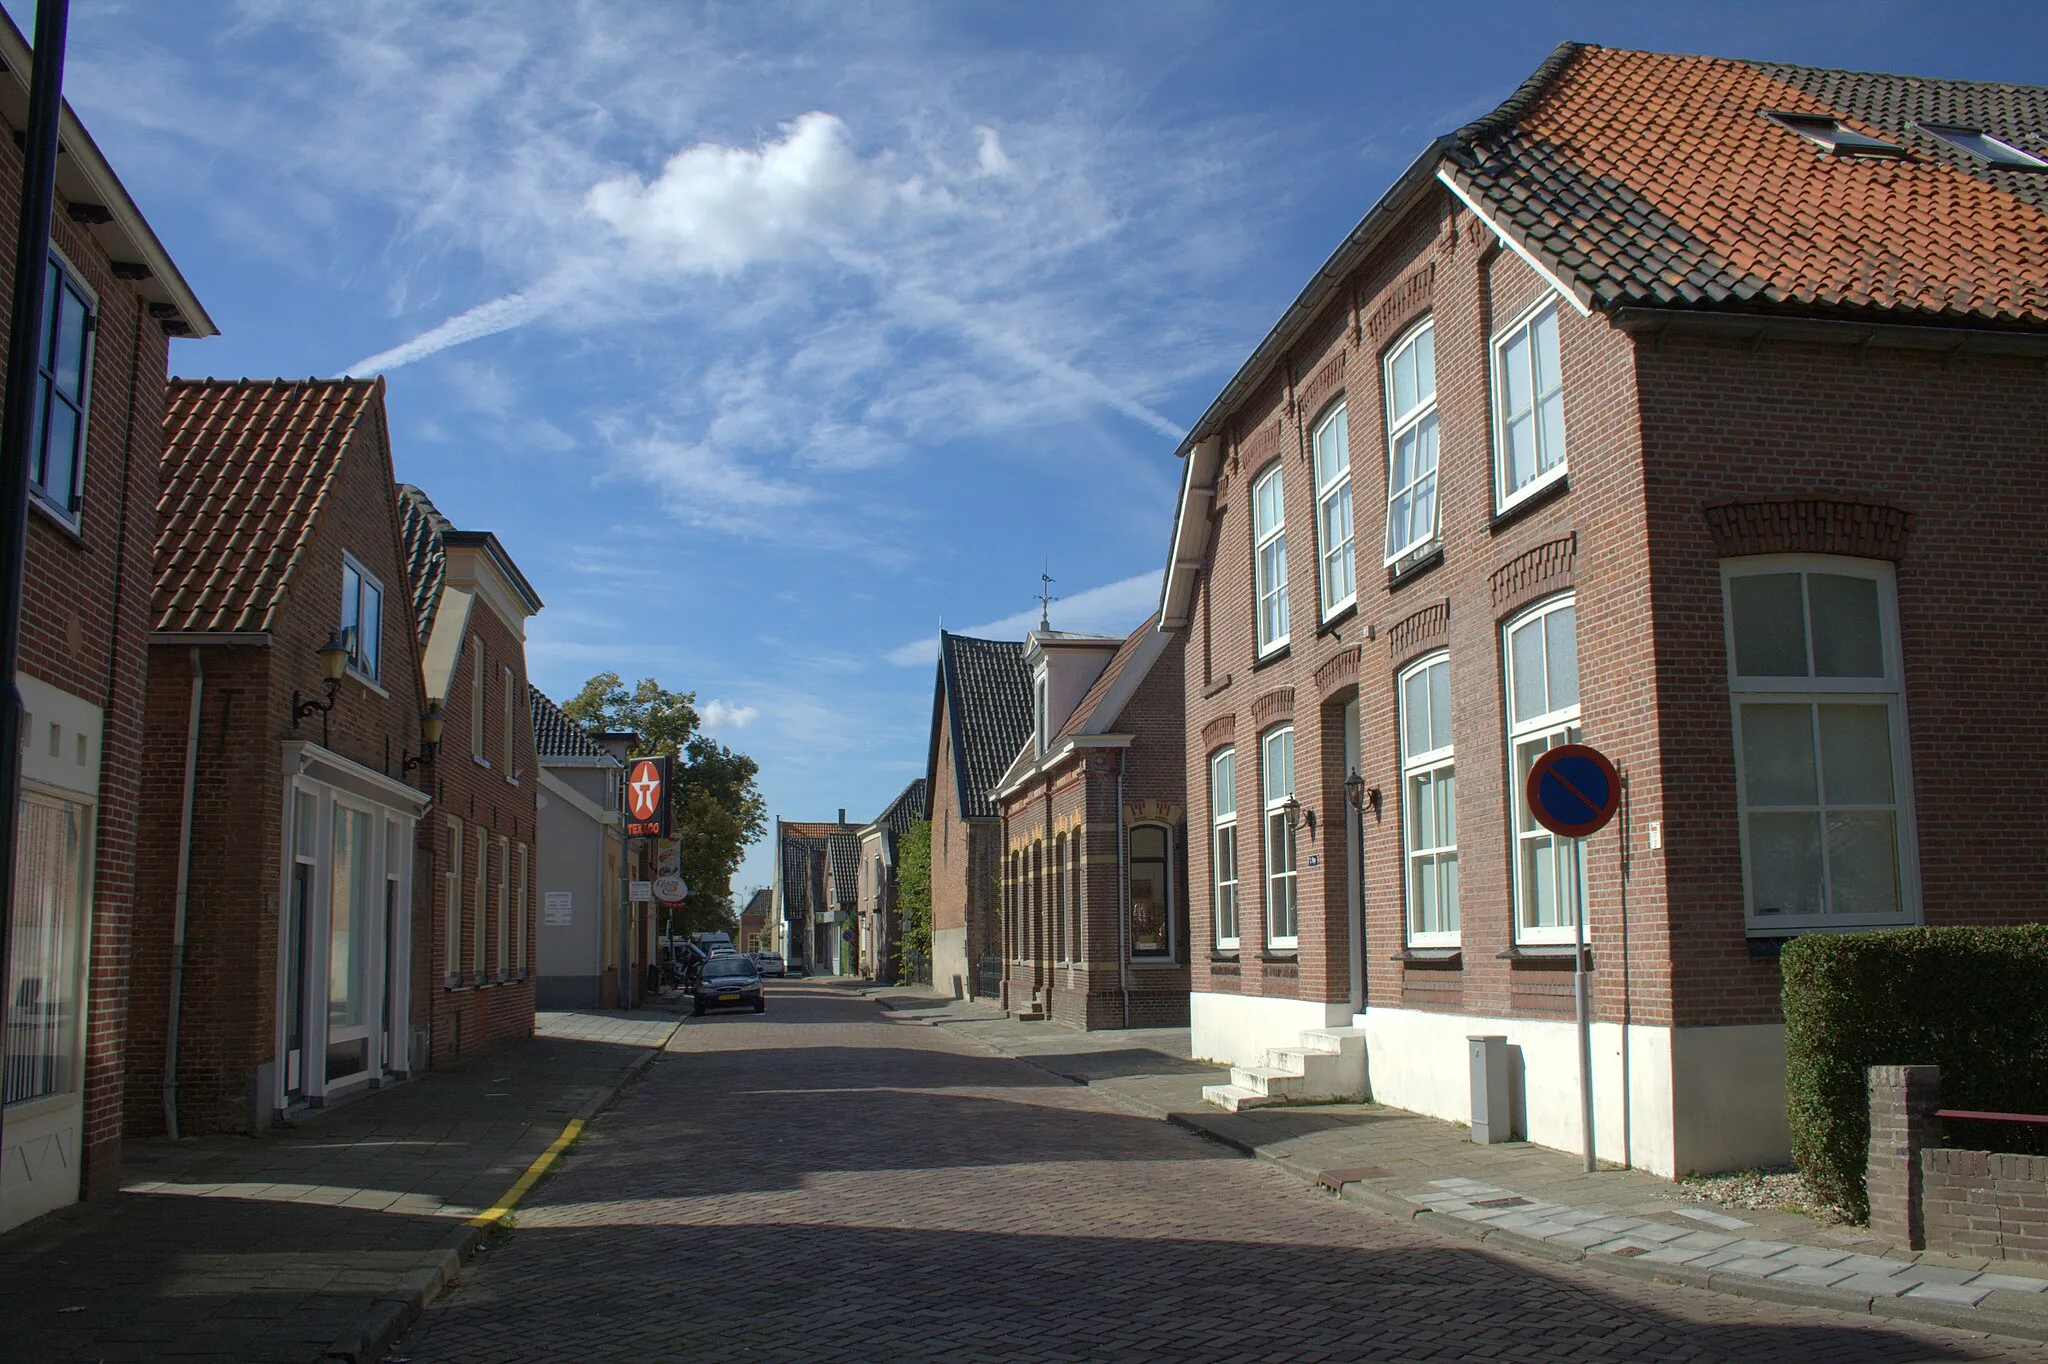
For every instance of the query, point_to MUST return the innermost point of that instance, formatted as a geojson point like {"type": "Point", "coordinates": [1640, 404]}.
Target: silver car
{"type": "Point", "coordinates": [770, 964]}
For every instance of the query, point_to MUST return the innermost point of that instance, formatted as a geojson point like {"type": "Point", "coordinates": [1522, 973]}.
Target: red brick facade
{"type": "Point", "coordinates": [1067, 920]}
{"type": "Point", "coordinates": [230, 1029]}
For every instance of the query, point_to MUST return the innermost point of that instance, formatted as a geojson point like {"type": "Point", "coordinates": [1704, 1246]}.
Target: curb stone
{"type": "Point", "coordinates": [1995, 1320]}
{"type": "Point", "coordinates": [391, 1316]}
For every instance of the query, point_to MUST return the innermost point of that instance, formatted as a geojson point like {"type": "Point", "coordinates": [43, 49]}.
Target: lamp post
{"type": "Point", "coordinates": [17, 425]}
{"type": "Point", "coordinates": [430, 739]}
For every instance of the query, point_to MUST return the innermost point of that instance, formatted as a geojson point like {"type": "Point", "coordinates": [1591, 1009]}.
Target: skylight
{"type": "Point", "coordinates": [1984, 146]}
{"type": "Point", "coordinates": [1833, 134]}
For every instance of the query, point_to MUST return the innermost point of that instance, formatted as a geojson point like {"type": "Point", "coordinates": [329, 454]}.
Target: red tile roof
{"type": "Point", "coordinates": [1650, 179]}
{"type": "Point", "coordinates": [247, 467]}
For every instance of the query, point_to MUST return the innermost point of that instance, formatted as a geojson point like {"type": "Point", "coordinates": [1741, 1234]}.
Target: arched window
{"type": "Point", "coordinates": [1151, 892]}
{"type": "Point", "coordinates": [1059, 898]}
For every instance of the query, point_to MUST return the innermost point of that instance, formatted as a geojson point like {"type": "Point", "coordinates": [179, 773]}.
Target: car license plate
{"type": "Point", "coordinates": [728, 999]}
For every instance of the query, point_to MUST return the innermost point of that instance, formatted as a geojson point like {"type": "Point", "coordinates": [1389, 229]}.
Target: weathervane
{"type": "Point", "coordinates": [1045, 596]}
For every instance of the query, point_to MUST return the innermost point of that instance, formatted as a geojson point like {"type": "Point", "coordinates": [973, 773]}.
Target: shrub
{"type": "Point", "coordinates": [914, 890]}
{"type": "Point", "coordinates": [1973, 1001]}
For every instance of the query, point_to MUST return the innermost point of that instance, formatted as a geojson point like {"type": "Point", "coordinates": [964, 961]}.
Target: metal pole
{"type": "Point", "coordinates": [1584, 1015]}
{"type": "Point", "coordinates": [24, 351]}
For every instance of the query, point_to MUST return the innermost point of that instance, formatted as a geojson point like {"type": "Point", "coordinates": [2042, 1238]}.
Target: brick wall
{"type": "Point", "coordinates": [1084, 985]}
{"type": "Point", "coordinates": [1587, 537]}
{"type": "Point", "coordinates": [1924, 1196]}
{"type": "Point", "coordinates": [85, 624]}
{"type": "Point", "coordinates": [229, 1019]}
{"type": "Point", "coordinates": [468, 1010]}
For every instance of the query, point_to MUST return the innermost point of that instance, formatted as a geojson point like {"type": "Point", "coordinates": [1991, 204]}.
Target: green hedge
{"type": "Point", "coordinates": [1973, 1001]}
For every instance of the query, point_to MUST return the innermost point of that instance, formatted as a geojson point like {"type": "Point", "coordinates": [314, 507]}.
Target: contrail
{"type": "Point", "coordinates": [486, 319]}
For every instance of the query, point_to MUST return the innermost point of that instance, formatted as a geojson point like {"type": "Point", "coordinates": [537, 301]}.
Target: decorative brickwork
{"type": "Point", "coordinates": [1405, 302]}
{"type": "Point", "coordinates": [1546, 568]}
{"type": "Point", "coordinates": [1419, 630]}
{"type": "Point", "coordinates": [1809, 525]}
{"type": "Point", "coordinates": [1275, 706]}
{"type": "Point", "coordinates": [1320, 387]}
{"type": "Point", "coordinates": [1338, 670]}
{"type": "Point", "coordinates": [1218, 732]}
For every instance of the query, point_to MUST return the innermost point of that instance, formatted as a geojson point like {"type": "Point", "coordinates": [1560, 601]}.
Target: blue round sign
{"type": "Point", "coordinates": [1573, 790]}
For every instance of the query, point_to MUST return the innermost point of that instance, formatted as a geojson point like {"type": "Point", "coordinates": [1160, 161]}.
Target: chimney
{"type": "Point", "coordinates": [842, 814]}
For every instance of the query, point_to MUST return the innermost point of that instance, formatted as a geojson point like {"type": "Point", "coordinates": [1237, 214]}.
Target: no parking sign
{"type": "Point", "coordinates": [1573, 790]}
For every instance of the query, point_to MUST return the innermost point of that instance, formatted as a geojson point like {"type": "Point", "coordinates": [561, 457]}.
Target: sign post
{"type": "Point", "coordinates": [1573, 791]}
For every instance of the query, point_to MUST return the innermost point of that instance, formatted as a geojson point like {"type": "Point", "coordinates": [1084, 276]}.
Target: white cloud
{"type": "Point", "coordinates": [725, 715]}
{"type": "Point", "coordinates": [991, 159]}
{"type": "Point", "coordinates": [718, 209]}
{"type": "Point", "coordinates": [1113, 608]}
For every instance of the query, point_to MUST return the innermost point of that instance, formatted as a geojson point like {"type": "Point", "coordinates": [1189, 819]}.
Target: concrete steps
{"type": "Point", "coordinates": [1328, 1067]}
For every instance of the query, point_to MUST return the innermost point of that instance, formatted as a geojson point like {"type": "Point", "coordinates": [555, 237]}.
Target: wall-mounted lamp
{"type": "Point", "coordinates": [333, 657]}
{"type": "Point", "coordinates": [430, 739]}
{"type": "Point", "coordinates": [1358, 796]}
{"type": "Point", "coordinates": [1291, 810]}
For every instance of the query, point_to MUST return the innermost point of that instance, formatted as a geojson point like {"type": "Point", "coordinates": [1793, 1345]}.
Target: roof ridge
{"type": "Point", "coordinates": [1515, 107]}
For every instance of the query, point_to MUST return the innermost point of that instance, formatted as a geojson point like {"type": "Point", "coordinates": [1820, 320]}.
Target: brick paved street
{"type": "Point", "coordinates": [829, 1181]}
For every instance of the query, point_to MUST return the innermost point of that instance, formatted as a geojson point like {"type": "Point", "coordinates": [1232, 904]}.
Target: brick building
{"type": "Point", "coordinates": [1094, 823]}
{"type": "Point", "coordinates": [84, 639]}
{"type": "Point", "coordinates": [281, 803]}
{"type": "Point", "coordinates": [981, 715]}
{"type": "Point", "coordinates": [881, 918]}
{"type": "Point", "coordinates": [753, 932]}
{"type": "Point", "coordinates": [471, 604]}
{"type": "Point", "coordinates": [1696, 408]}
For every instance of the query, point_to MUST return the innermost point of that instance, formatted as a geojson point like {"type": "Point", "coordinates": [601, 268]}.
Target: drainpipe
{"type": "Point", "coordinates": [1123, 894]}
{"type": "Point", "coordinates": [183, 897]}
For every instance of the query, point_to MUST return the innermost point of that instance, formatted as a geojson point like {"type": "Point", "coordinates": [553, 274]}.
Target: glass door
{"type": "Point", "coordinates": [297, 937]}
{"type": "Point", "coordinates": [351, 945]}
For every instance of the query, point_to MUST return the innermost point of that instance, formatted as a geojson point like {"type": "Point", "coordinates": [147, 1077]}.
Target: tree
{"type": "Point", "coordinates": [914, 890]}
{"type": "Point", "coordinates": [715, 803]}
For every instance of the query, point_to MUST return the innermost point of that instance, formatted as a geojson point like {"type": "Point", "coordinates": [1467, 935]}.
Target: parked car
{"type": "Point", "coordinates": [770, 964]}
{"type": "Point", "coordinates": [728, 983]}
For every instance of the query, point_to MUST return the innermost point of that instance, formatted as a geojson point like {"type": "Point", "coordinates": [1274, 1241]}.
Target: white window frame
{"type": "Point", "coordinates": [1888, 691]}
{"type": "Point", "coordinates": [1223, 820]}
{"type": "Point", "coordinates": [1402, 424]}
{"type": "Point", "coordinates": [504, 908]}
{"type": "Point", "coordinates": [1040, 714]}
{"type": "Point", "coordinates": [1075, 932]}
{"type": "Point", "coordinates": [1505, 495]}
{"type": "Point", "coordinates": [1425, 770]}
{"type": "Point", "coordinates": [1061, 948]}
{"type": "Point", "coordinates": [68, 508]}
{"type": "Point", "coordinates": [367, 583]}
{"type": "Point", "coordinates": [1559, 725]}
{"type": "Point", "coordinates": [483, 880]}
{"type": "Point", "coordinates": [1273, 539]}
{"type": "Point", "coordinates": [1280, 845]}
{"type": "Point", "coordinates": [452, 929]}
{"type": "Point", "coordinates": [478, 675]}
{"type": "Point", "coordinates": [1335, 557]}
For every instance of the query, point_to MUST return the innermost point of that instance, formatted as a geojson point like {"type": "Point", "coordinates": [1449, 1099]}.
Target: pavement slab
{"type": "Point", "coordinates": [288, 1245]}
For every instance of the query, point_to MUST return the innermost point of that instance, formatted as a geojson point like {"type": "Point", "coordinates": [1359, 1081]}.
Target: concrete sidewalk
{"type": "Point", "coordinates": [315, 1243]}
{"type": "Point", "coordinates": [1516, 1196]}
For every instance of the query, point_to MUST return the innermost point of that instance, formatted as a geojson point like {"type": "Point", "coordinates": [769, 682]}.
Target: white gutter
{"type": "Point", "coordinates": [1443, 175]}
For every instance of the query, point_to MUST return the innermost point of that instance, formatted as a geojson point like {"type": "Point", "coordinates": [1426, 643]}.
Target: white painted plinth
{"type": "Point", "coordinates": [1669, 1101]}
{"type": "Point", "coordinates": [1238, 1030]}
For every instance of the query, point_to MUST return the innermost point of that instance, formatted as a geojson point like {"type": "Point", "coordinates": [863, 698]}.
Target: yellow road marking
{"type": "Point", "coordinates": [510, 1199]}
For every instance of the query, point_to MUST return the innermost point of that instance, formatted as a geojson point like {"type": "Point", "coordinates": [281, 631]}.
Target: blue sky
{"type": "Point", "coordinates": [768, 336]}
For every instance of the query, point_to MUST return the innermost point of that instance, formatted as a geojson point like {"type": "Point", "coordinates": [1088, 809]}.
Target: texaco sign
{"type": "Point", "coordinates": [647, 798]}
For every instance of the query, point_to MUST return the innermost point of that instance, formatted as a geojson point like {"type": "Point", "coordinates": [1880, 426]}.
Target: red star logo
{"type": "Point", "coordinates": [646, 789]}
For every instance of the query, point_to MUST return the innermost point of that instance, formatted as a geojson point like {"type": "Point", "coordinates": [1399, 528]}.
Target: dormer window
{"type": "Point", "coordinates": [1982, 145]}
{"type": "Point", "coordinates": [1827, 131]}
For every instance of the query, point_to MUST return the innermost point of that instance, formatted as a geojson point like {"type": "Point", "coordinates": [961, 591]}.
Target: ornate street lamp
{"type": "Point", "coordinates": [333, 657]}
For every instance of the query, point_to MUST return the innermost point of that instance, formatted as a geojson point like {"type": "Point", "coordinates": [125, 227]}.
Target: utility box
{"type": "Point", "coordinates": [1491, 1117]}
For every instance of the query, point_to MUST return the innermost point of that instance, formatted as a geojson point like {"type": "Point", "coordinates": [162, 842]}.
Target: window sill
{"type": "Point", "coordinates": [1545, 952]}
{"type": "Point", "coordinates": [1407, 569]}
{"type": "Point", "coordinates": [368, 682]}
{"type": "Point", "coordinates": [1432, 956]}
{"type": "Point", "coordinates": [1338, 617]}
{"type": "Point", "coordinates": [1268, 659]}
{"type": "Point", "coordinates": [66, 526]}
{"type": "Point", "coordinates": [1216, 688]}
{"type": "Point", "coordinates": [1542, 497]}
{"type": "Point", "coordinates": [484, 763]}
